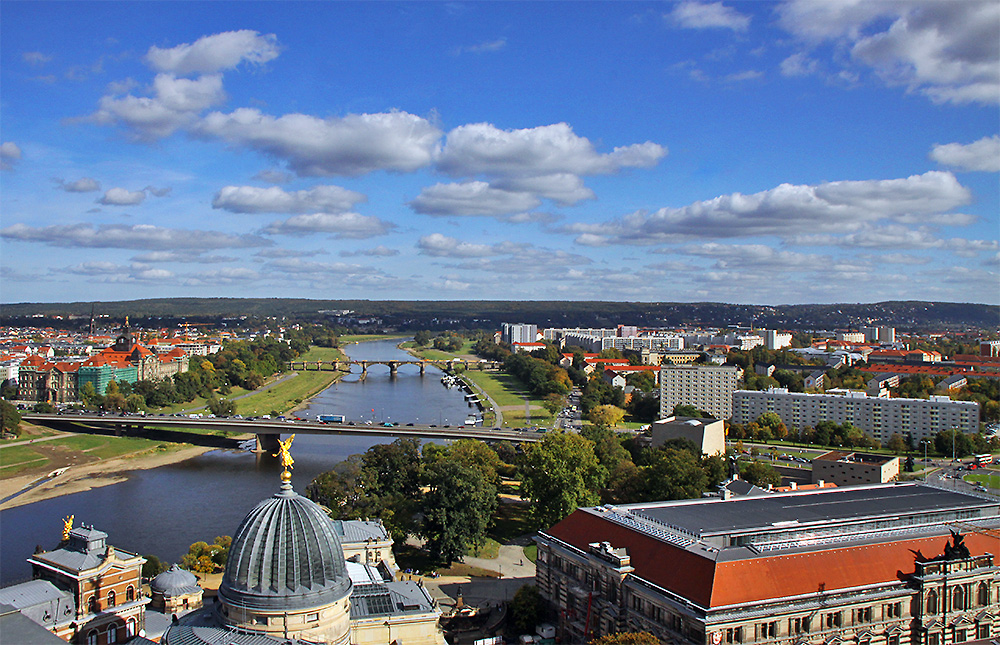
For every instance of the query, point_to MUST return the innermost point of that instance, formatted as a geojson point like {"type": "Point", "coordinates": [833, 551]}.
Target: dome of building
{"type": "Point", "coordinates": [285, 556]}
{"type": "Point", "coordinates": [174, 582]}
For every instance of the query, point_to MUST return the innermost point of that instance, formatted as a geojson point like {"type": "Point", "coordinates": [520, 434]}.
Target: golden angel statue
{"type": "Point", "coordinates": [67, 526]}
{"type": "Point", "coordinates": [283, 452]}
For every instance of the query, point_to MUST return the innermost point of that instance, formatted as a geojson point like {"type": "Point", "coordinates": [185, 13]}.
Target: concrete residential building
{"type": "Point", "coordinates": [846, 468]}
{"type": "Point", "coordinates": [518, 333]}
{"type": "Point", "coordinates": [880, 334]}
{"type": "Point", "coordinates": [774, 339]}
{"type": "Point", "coordinates": [707, 387]}
{"type": "Point", "coordinates": [708, 434]}
{"type": "Point", "coordinates": [876, 565]}
{"type": "Point", "coordinates": [880, 417]}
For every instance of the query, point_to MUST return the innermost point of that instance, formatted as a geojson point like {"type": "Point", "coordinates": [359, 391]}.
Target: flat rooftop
{"type": "Point", "coordinates": [824, 507]}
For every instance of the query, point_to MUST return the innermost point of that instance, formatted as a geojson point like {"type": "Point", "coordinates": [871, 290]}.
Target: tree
{"type": "Point", "coordinates": [200, 558]}
{"type": "Point", "coordinates": [458, 508]}
{"type": "Point", "coordinates": [641, 381]}
{"type": "Point", "coordinates": [221, 407]}
{"type": "Point", "coordinates": [554, 402]}
{"type": "Point", "coordinates": [627, 638]}
{"type": "Point", "coordinates": [559, 474]}
{"type": "Point", "coordinates": [760, 474]}
{"type": "Point", "coordinates": [11, 419]}
{"type": "Point", "coordinates": [135, 402]}
{"type": "Point", "coordinates": [152, 567]}
{"type": "Point", "coordinates": [606, 416]}
{"type": "Point", "coordinates": [773, 424]}
{"type": "Point", "coordinates": [421, 338]}
{"type": "Point", "coordinates": [673, 474]}
{"type": "Point", "coordinates": [896, 443]}
{"type": "Point", "coordinates": [527, 607]}
{"type": "Point", "coordinates": [8, 389]}
{"type": "Point", "coordinates": [685, 410]}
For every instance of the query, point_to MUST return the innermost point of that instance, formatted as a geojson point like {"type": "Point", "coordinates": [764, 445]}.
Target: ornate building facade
{"type": "Point", "coordinates": [820, 567]}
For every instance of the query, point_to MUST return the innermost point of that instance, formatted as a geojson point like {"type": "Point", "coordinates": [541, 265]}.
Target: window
{"type": "Point", "coordinates": [312, 618]}
{"type": "Point", "coordinates": [833, 619]}
{"type": "Point", "coordinates": [130, 594]}
{"type": "Point", "coordinates": [92, 637]}
{"type": "Point", "coordinates": [766, 630]}
{"type": "Point", "coordinates": [92, 605]}
{"type": "Point", "coordinates": [934, 639]}
{"type": "Point", "coordinates": [130, 627]}
{"type": "Point", "coordinates": [111, 598]}
{"type": "Point", "coordinates": [983, 631]}
{"type": "Point", "coordinates": [112, 634]}
{"type": "Point", "coordinates": [893, 610]}
{"type": "Point", "coordinates": [893, 639]}
{"type": "Point", "coordinates": [798, 625]}
{"type": "Point", "coordinates": [961, 635]}
{"type": "Point", "coordinates": [983, 594]}
{"type": "Point", "coordinates": [734, 635]}
{"type": "Point", "coordinates": [863, 615]}
{"type": "Point", "coordinates": [958, 598]}
{"type": "Point", "coordinates": [932, 604]}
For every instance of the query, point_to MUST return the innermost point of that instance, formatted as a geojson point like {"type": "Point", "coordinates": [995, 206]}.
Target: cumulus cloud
{"type": "Point", "coordinates": [483, 47]}
{"type": "Point", "coordinates": [81, 185]}
{"type": "Point", "coordinates": [785, 211]}
{"type": "Point", "coordinates": [563, 188]}
{"type": "Point", "coordinates": [122, 197]}
{"type": "Point", "coordinates": [757, 257]}
{"type": "Point", "coordinates": [342, 225]}
{"type": "Point", "coordinates": [227, 275]}
{"type": "Point", "coordinates": [471, 198]}
{"type": "Point", "coordinates": [983, 155]}
{"type": "Point", "coordinates": [894, 237]}
{"type": "Point", "coordinates": [187, 256]}
{"type": "Point", "coordinates": [176, 103]}
{"type": "Point", "coordinates": [438, 245]}
{"type": "Point", "coordinates": [251, 199]}
{"type": "Point", "coordinates": [10, 154]}
{"type": "Point", "coordinates": [117, 236]}
{"type": "Point", "coordinates": [288, 253]}
{"type": "Point", "coordinates": [707, 15]}
{"type": "Point", "coordinates": [944, 50]}
{"type": "Point", "coordinates": [379, 251]}
{"type": "Point", "coordinates": [351, 145]}
{"type": "Point", "coordinates": [215, 53]}
{"type": "Point", "coordinates": [799, 64]}
{"type": "Point", "coordinates": [548, 150]}
{"type": "Point", "coordinates": [114, 273]}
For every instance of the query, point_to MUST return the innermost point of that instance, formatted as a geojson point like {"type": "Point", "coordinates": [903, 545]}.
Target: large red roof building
{"type": "Point", "coordinates": [867, 565]}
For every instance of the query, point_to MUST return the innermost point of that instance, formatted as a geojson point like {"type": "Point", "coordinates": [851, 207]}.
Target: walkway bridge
{"type": "Point", "coordinates": [393, 365]}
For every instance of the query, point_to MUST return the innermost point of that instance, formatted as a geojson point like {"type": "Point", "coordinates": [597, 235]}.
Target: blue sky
{"type": "Point", "coordinates": [749, 152]}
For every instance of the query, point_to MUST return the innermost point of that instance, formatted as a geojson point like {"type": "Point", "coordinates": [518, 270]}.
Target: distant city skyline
{"type": "Point", "coordinates": [807, 151]}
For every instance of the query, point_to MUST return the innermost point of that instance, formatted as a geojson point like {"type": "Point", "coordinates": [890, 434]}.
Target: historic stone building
{"type": "Point", "coordinates": [894, 564]}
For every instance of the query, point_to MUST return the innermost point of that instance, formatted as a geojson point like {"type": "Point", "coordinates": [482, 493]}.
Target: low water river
{"type": "Point", "coordinates": [164, 510]}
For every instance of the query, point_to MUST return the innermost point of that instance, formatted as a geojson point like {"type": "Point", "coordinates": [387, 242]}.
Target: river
{"type": "Point", "coordinates": [164, 510]}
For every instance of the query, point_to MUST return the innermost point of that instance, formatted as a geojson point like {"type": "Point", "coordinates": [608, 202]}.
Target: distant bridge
{"type": "Point", "coordinates": [393, 365]}
{"type": "Point", "coordinates": [268, 431]}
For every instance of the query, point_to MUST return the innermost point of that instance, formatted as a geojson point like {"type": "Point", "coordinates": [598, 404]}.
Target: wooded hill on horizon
{"type": "Point", "coordinates": [489, 314]}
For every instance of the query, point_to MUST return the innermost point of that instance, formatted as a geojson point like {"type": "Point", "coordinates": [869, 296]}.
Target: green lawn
{"type": "Point", "coordinates": [322, 354]}
{"type": "Point", "coordinates": [360, 338]}
{"type": "Point", "coordinates": [287, 394]}
{"type": "Point", "coordinates": [531, 552]}
{"type": "Point", "coordinates": [14, 459]}
{"type": "Point", "coordinates": [489, 550]}
{"type": "Point", "coordinates": [502, 387]}
{"type": "Point", "coordinates": [989, 478]}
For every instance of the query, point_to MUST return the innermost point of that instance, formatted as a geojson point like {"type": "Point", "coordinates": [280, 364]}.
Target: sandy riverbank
{"type": "Point", "coordinates": [77, 479]}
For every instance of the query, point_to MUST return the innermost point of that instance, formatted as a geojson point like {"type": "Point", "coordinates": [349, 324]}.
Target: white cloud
{"type": "Point", "coordinates": [895, 237]}
{"type": "Point", "coordinates": [215, 53]}
{"type": "Point", "coordinates": [757, 257]}
{"type": "Point", "coordinates": [35, 58]}
{"type": "Point", "coordinates": [705, 15]}
{"type": "Point", "coordinates": [748, 75]}
{"type": "Point", "coordinates": [251, 199]}
{"type": "Point", "coordinates": [227, 275]}
{"type": "Point", "coordinates": [352, 145]}
{"type": "Point", "coordinates": [117, 236]}
{"type": "Point", "coordinates": [483, 47]}
{"type": "Point", "coordinates": [10, 154]}
{"type": "Point", "coordinates": [799, 64]}
{"type": "Point", "coordinates": [471, 198]}
{"type": "Point", "coordinates": [288, 253]}
{"type": "Point", "coordinates": [379, 251]}
{"type": "Point", "coordinates": [175, 104]}
{"type": "Point", "coordinates": [947, 51]}
{"type": "Point", "coordinates": [983, 154]}
{"type": "Point", "coordinates": [547, 150]}
{"type": "Point", "coordinates": [122, 197]}
{"type": "Point", "coordinates": [787, 210]}
{"type": "Point", "coordinates": [438, 245]}
{"type": "Point", "coordinates": [186, 256]}
{"type": "Point", "coordinates": [81, 185]}
{"type": "Point", "coordinates": [563, 188]}
{"type": "Point", "coordinates": [342, 225]}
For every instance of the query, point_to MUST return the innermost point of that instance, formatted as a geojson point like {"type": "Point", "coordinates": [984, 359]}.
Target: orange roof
{"type": "Point", "coordinates": [716, 584]}
{"type": "Point", "coordinates": [632, 368]}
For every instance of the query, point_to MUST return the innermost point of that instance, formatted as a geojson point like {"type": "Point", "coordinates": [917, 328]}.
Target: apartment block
{"type": "Point", "coordinates": [880, 417]}
{"type": "Point", "coordinates": [706, 387]}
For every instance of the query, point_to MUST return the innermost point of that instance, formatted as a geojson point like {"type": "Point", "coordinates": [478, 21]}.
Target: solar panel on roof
{"type": "Point", "coordinates": [381, 604]}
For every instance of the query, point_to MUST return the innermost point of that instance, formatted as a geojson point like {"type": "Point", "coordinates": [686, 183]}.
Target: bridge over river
{"type": "Point", "coordinates": [393, 365]}
{"type": "Point", "coordinates": [268, 431]}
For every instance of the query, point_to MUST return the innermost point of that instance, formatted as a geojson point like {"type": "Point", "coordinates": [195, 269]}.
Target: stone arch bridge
{"type": "Point", "coordinates": [393, 365]}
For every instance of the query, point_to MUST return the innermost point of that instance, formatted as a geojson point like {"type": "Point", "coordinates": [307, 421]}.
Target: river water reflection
{"type": "Point", "coordinates": [163, 510]}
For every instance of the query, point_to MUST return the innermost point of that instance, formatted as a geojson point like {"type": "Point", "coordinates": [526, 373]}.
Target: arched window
{"type": "Point", "coordinates": [92, 637]}
{"type": "Point", "coordinates": [112, 634]}
{"type": "Point", "coordinates": [111, 598]}
{"type": "Point", "coordinates": [958, 598]}
{"type": "Point", "coordinates": [932, 602]}
{"type": "Point", "coordinates": [130, 594]}
{"type": "Point", "coordinates": [130, 628]}
{"type": "Point", "coordinates": [983, 595]}
{"type": "Point", "coordinates": [92, 606]}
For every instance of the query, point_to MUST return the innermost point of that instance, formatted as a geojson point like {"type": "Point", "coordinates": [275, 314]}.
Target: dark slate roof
{"type": "Point", "coordinates": [189, 635]}
{"type": "Point", "coordinates": [285, 555]}
{"type": "Point", "coordinates": [175, 582]}
{"type": "Point", "coordinates": [390, 599]}
{"type": "Point", "coordinates": [353, 531]}
{"type": "Point", "coordinates": [31, 593]}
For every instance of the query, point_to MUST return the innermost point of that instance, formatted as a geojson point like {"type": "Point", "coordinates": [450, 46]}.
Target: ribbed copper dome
{"type": "Point", "coordinates": [285, 555]}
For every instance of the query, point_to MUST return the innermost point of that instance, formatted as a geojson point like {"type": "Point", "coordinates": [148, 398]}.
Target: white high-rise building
{"type": "Point", "coordinates": [879, 334]}
{"type": "Point", "coordinates": [774, 339]}
{"type": "Point", "coordinates": [519, 333]}
{"type": "Point", "coordinates": [880, 417]}
{"type": "Point", "coordinates": [706, 387]}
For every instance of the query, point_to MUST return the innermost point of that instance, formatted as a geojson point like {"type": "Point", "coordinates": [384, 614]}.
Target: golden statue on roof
{"type": "Point", "coordinates": [285, 455]}
{"type": "Point", "coordinates": [67, 526]}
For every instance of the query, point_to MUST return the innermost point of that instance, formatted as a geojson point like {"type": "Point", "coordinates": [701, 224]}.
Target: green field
{"type": "Point", "coordinates": [287, 394]}
{"type": "Point", "coordinates": [14, 459]}
{"type": "Point", "coordinates": [988, 478]}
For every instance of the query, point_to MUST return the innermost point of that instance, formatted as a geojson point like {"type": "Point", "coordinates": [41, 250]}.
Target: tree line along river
{"type": "Point", "coordinates": [164, 510]}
